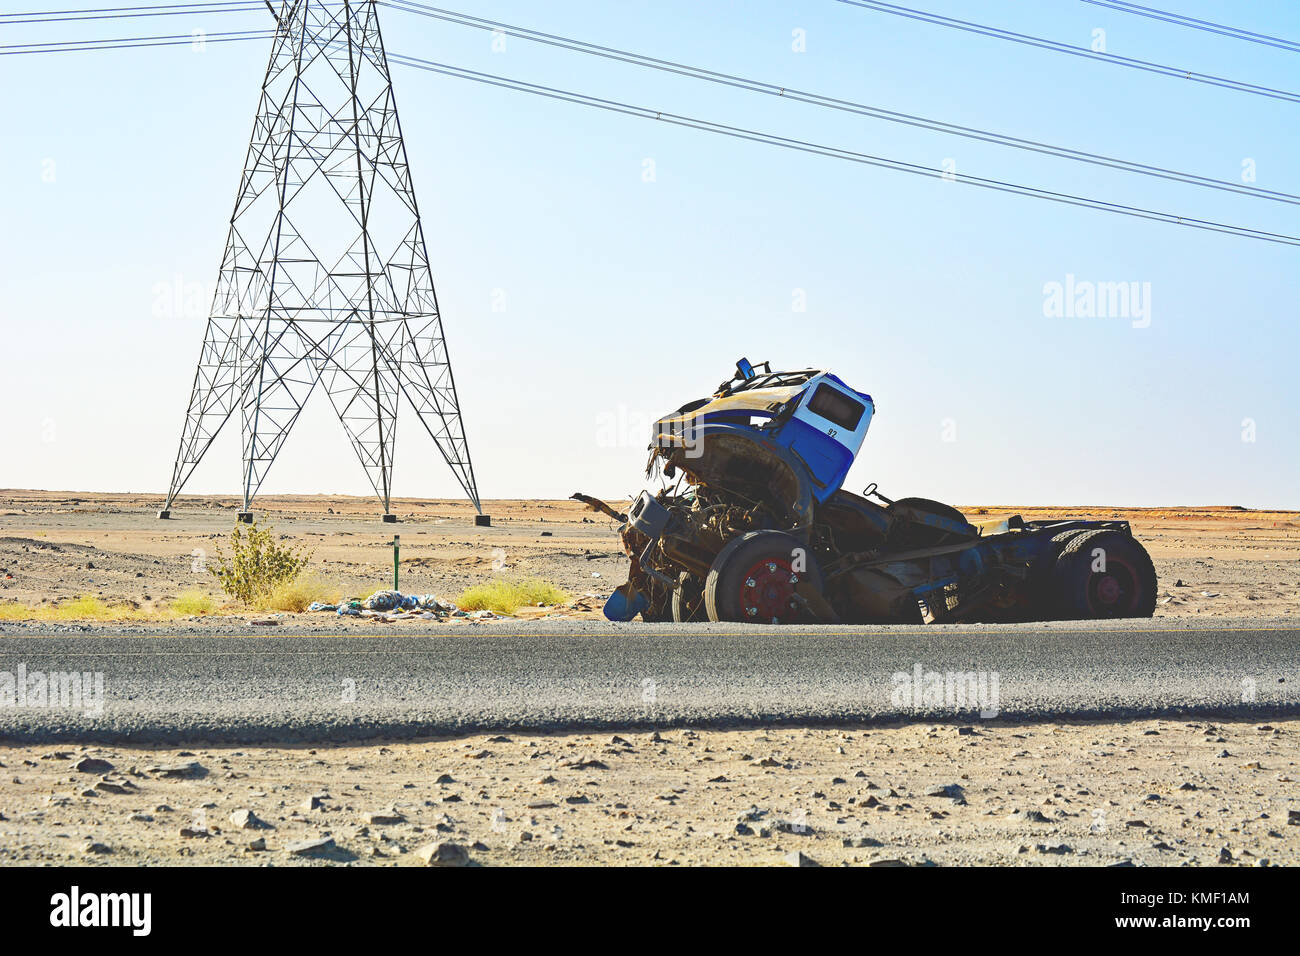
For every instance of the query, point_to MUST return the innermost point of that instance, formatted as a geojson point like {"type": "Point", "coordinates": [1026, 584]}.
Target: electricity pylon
{"type": "Point", "coordinates": [325, 278]}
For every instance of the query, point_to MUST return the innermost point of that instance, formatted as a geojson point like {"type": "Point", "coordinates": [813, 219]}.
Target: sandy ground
{"type": "Point", "coordinates": [55, 546]}
{"type": "Point", "coordinates": [1148, 793]}
{"type": "Point", "coordinates": [1145, 793]}
{"type": "Point", "coordinates": [1215, 562]}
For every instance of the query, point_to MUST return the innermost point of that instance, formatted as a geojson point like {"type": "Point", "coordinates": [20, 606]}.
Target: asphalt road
{"type": "Point", "coordinates": [592, 675]}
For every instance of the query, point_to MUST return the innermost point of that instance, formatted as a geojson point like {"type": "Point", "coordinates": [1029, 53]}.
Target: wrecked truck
{"type": "Point", "coordinates": [753, 525]}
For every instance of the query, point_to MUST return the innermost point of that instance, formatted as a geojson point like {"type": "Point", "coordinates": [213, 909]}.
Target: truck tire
{"type": "Point", "coordinates": [688, 599]}
{"type": "Point", "coordinates": [753, 579]}
{"type": "Point", "coordinates": [1042, 576]}
{"type": "Point", "coordinates": [1104, 573]}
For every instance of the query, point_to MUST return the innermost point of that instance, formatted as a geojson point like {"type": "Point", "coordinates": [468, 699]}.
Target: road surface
{"type": "Point", "coordinates": [287, 688]}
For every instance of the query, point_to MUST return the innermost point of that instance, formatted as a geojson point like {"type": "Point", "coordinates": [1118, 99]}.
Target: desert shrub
{"type": "Point", "coordinates": [507, 596]}
{"type": "Point", "coordinates": [258, 564]}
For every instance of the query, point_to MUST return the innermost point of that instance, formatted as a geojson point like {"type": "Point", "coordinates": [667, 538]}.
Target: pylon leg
{"type": "Point", "coordinates": [430, 387]}
{"type": "Point", "coordinates": [219, 383]}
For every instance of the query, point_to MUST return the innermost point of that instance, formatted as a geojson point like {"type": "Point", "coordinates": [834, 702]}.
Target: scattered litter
{"type": "Point", "coordinates": [397, 601]}
{"type": "Point", "coordinates": [390, 606]}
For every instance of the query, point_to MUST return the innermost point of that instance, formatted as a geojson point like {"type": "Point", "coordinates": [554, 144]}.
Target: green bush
{"type": "Point", "coordinates": [258, 564]}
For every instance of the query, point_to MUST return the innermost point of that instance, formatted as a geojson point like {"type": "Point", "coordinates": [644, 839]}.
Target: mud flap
{"type": "Point", "coordinates": [625, 603]}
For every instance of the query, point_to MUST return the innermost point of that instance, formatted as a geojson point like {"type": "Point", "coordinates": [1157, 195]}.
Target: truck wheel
{"type": "Point", "coordinates": [688, 599]}
{"type": "Point", "coordinates": [753, 579]}
{"type": "Point", "coordinates": [1104, 573]}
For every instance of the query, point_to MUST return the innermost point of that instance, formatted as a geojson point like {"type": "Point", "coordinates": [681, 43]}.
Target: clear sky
{"type": "Point", "coordinates": [582, 301]}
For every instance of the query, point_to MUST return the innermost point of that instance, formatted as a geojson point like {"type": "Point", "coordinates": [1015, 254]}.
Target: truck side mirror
{"type": "Point", "coordinates": [745, 369]}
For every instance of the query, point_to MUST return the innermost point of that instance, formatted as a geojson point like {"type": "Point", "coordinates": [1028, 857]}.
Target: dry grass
{"type": "Point", "coordinates": [299, 594]}
{"type": "Point", "coordinates": [91, 608]}
{"type": "Point", "coordinates": [86, 608]}
{"type": "Point", "coordinates": [508, 596]}
{"type": "Point", "coordinates": [295, 596]}
{"type": "Point", "coordinates": [193, 604]}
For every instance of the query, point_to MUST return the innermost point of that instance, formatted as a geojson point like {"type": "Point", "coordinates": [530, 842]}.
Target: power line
{"type": "Point", "coordinates": [725, 79]}
{"type": "Point", "coordinates": [130, 43]}
{"type": "Point", "coordinates": [127, 16]}
{"type": "Point", "coordinates": [121, 13]}
{"type": "Point", "coordinates": [736, 132]}
{"type": "Point", "coordinates": [156, 6]}
{"type": "Point", "coordinates": [833, 152]}
{"type": "Point", "coordinates": [815, 99]}
{"type": "Point", "coordinates": [1207, 25]}
{"type": "Point", "coordinates": [1058, 47]}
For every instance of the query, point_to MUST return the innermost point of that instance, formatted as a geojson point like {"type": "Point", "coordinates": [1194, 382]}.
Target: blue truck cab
{"type": "Point", "coordinates": [811, 413]}
{"type": "Point", "coordinates": [826, 429]}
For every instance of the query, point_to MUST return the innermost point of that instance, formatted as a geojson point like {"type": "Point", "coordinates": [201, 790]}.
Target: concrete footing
{"type": "Point", "coordinates": [245, 516]}
{"type": "Point", "coordinates": [483, 521]}
{"type": "Point", "coordinates": [164, 515]}
{"type": "Point", "coordinates": [390, 519]}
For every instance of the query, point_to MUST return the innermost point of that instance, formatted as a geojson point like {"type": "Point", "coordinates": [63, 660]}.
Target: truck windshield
{"type": "Point", "coordinates": [834, 406]}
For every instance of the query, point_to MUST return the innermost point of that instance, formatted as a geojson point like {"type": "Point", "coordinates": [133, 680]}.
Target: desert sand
{"type": "Point", "coordinates": [1154, 792]}
{"type": "Point", "coordinates": [1211, 561]}
{"type": "Point", "coordinates": [1096, 794]}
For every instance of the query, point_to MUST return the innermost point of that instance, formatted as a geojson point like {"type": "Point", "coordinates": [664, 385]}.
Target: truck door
{"type": "Point", "coordinates": [827, 430]}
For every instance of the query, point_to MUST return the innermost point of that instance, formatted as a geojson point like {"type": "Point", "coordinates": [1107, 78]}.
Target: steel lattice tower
{"type": "Point", "coordinates": [325, 278]}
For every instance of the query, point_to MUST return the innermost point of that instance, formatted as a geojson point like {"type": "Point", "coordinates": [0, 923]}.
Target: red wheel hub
{"type": "Point", "coordinates": [767, 592]}
{"type": "Point", "coordinates": [1115, 590]}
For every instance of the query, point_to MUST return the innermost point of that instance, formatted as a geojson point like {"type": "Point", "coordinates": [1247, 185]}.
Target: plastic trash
{"type": "Point", "coordinates": [383, 601]}
{"type": "Point", "coordinates": [620, 607]}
